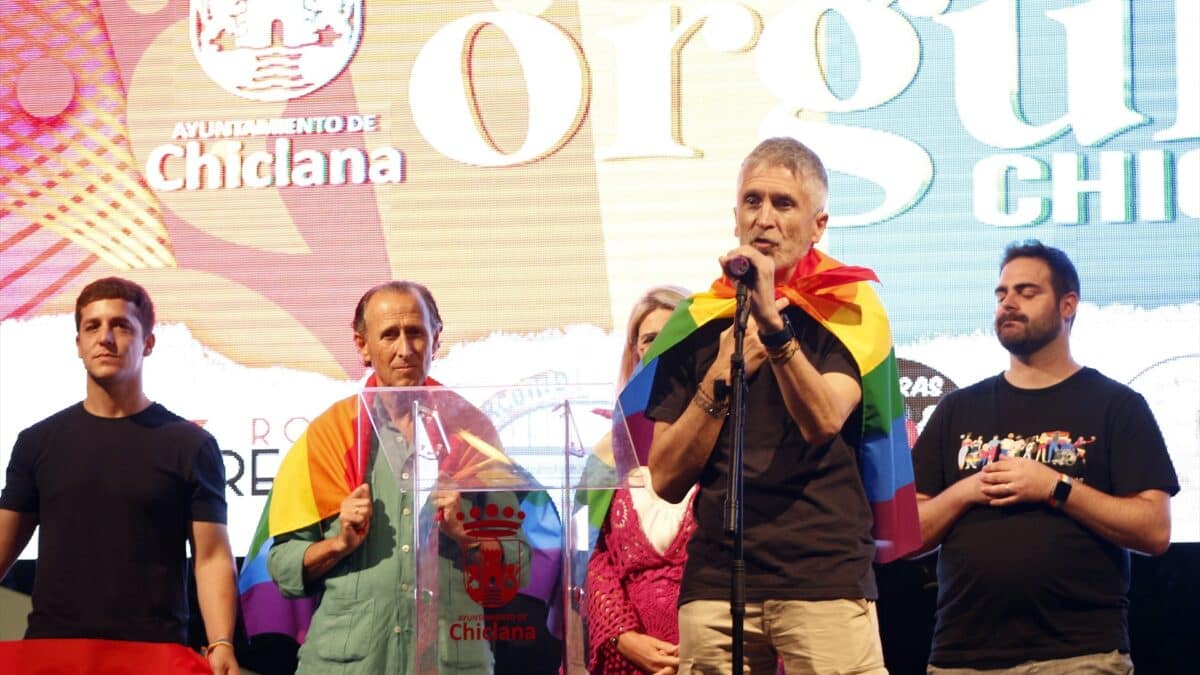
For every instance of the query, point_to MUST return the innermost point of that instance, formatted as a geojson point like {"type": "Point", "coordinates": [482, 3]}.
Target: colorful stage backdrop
{"type": "Point", "coordinates": [258, 164]}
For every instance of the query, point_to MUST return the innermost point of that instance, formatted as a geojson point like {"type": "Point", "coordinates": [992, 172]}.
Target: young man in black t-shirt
{"type": "Point", "coordinates": [1036, 483]}
{"type": "Point", "coordinates": [118, 485]}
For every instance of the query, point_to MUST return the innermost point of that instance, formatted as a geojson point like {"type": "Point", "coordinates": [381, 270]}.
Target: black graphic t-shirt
{"type": "Point", "coordinates": [1027, 582]}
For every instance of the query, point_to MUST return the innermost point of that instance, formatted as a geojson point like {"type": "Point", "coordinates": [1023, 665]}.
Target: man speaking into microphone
{"type": "Point", "coordinates": [821, 390]}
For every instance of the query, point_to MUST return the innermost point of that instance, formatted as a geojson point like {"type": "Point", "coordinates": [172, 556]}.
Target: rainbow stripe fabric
{"type": "Point", "coordinates": [328, 460]}
{"type": "Point", "coordinates": [313, 479]}
{"type": "Point", "coordinates": [839, 297]}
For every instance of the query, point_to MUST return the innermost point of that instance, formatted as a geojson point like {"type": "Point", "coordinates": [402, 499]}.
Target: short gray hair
{"type": "Point", "coordinates": [794, 156]}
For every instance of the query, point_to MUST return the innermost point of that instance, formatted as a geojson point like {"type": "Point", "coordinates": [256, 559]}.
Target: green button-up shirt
{"type": "Point", "coordinates": [365, 623]}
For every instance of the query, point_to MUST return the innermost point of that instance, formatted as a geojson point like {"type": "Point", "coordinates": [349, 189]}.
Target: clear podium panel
{"type": "Point", "coordinates": [507, 483]}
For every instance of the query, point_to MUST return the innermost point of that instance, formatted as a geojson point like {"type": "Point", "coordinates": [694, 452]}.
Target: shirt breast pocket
{"type": "Point", "coordinates": [341, 629]}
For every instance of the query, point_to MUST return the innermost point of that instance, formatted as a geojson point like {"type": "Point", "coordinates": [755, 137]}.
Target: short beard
{"type": "Point", "coordinates": [1031, 340]}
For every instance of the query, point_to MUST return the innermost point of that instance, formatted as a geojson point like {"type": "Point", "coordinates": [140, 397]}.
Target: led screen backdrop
{"type": "Point", "coordinates": [257, 164]}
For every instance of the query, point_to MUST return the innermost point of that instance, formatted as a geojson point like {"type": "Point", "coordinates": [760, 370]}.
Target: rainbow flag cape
{"type": "Point", "coordinates": [839, 297]}
{"type": "Point", "coordinates": [319, 471]}
{"type": "Point", "coordinates": [324, 465]}
{"type": "Point", "coordinates": [597, 501]}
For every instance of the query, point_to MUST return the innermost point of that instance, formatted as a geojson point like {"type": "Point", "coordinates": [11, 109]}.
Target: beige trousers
{"type": "Point", "coordinates": [825, 636]}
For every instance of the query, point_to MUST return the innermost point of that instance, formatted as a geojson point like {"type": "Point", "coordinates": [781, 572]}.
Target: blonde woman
{"type": "Point", "coordinates": [634, 573]}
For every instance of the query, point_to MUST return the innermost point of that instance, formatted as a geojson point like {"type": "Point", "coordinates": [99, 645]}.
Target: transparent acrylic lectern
{"type": "Point", "coordinates": [501, 480]}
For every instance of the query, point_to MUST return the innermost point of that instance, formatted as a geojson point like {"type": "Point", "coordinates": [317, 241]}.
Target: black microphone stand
{"type": "Point", "coordinates": [733, 494]}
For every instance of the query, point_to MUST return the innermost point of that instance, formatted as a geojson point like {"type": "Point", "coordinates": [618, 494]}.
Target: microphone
{"type": "Point", "coordinates": [739, 268]}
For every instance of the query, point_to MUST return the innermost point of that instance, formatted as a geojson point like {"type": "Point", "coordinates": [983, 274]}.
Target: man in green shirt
{"type": "Point", "coordinates": [361, 559]}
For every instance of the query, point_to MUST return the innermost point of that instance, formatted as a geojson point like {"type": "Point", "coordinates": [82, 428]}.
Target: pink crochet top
{"type": "Point", "coordinates": [631, 586]}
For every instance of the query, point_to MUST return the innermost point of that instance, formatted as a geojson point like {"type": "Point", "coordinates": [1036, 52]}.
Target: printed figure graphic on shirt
{"type": "Point", "coordinates": [989, 450]}
{"type": "Point", "coordinates": [1040, 455]}
{"type": "Point", "coordinates": [1011, 446]}
{"type": "Point", "coordinates": [1080, 452]}
{"type": "Point", "coordinates": [973, 459]}
{"type": "Point", "coordinates": [1054, 448]}
{"type": "Point", "coordinates": [964, 449]}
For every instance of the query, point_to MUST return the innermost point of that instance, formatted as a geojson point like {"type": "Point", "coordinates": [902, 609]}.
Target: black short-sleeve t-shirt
{"type": "Point", "coordinates": [114, 500]}
{"type": "Point", "coordinates": [807, 521]}
{"type": "Point", "coordinates": [1027, 581]}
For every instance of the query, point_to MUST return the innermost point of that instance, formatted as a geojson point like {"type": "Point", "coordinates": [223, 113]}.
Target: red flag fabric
{"type": "Point", "coordinates": [99, 657]}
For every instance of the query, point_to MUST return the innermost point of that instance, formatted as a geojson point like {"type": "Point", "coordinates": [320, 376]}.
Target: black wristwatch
{"type": "Point", "coordinates": [1062, 490]}
{"type": "Point", "coordinates": [779, 338]}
